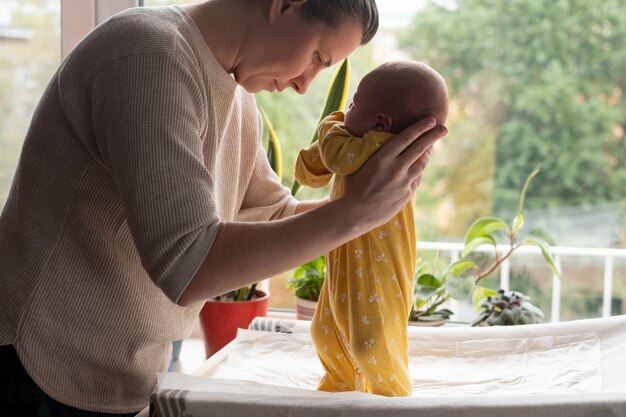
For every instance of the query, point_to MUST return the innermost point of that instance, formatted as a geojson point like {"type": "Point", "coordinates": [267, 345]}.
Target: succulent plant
{"type": "Point", "coordinates": [508, 308]}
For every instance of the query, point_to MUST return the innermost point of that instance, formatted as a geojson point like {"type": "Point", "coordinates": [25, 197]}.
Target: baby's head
{"type": "Point", "coordinates": [394, 96]}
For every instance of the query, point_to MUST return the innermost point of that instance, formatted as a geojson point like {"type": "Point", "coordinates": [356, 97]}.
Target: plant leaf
{"type": "Point", "coordinates": [335, 101]}
{"type": "Point", "coordinates": [419, 303]}
{"type": "Point", "coordinates": [473, 244]}
{"type": "Point", "coordinates": [518, 223]}
{"type": "Point", "coordinates": [545, 251]}
{"type": "Point", "coordinates": [426, 286]}
{"type": "Point", "coordinates": [460, 287]}
{"type": "Point", "coordinates": [527, 305]}
{"type": "Point", "coordinates": [484, 227]}
{"type": "Point", "coordinates": [459, 267]}
{"type": "Point", "coordinates": [481, 293]}
{"type": "Point", "coordinates": [274, 152]}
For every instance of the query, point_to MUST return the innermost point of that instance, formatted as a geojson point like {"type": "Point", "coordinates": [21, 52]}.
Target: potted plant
{"type": "Point", "coordinates": [307, 282]}
{"type": "Point", "coordinates": [222, 316]}
{"type": "Point", "coordinates": [460, 279]}
{"type": "Point", "coordinates": [428, 295]}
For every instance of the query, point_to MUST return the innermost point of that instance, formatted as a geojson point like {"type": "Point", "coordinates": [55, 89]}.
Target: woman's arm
{"type": "Point", "coordinates": [244, 253]}
{"type": "Point", "coordinates": [310, 205]}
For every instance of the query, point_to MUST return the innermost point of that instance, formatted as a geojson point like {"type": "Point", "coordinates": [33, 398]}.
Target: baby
{"type": "Point", "coordinates": [359, 327]}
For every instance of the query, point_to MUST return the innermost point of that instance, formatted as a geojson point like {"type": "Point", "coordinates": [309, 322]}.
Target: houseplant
{"type": "Point", "coordinates": [307, 282]}
{"type": "Point", "coordinates": [460, 279]}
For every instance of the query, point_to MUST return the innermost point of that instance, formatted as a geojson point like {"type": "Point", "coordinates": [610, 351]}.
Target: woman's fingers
{"type": "Point", "coordinates": [416, 182]}
{"type": "Point", "coordinates": [408, 136]}
{"type": "Point", "coordinates": [416, 149]}
{"type": "Point", "coordinates": [416, 170]}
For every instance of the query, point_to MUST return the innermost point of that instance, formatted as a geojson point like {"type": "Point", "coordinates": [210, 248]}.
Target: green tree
{"type": "Point", "coordinates": [532, 82]}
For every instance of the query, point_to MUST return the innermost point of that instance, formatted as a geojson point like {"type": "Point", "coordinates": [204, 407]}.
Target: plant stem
{"type": "Point", "coordinates": [496, 264]}
{"type": "Point", "coordinates": [431, 309]}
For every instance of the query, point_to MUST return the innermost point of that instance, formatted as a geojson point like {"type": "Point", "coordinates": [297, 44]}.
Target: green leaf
{"type": "Point", "coordinates": [481, 293]}
{"type": "Point", "coordinates": [428, 280]}
{"type": "Point", "coordinates": [473, 244]}
{"type": "Point", "coordinates": [484, 227]}
{"type": "Point", "coordinates": [527, 305]}
{"type": "Point", "coordinates": [426, 286]}
{"type": "Point", "coordinates": [335, 101]}
{"type": "Point", "coordinates": [518, 223]}
{"type": "Point", "coordinates": [274, 153]}
{"type": "Point", "coordinates": [545, 251]}
{"type": "Point", "coordinates": [522, 197]}
{"type": "Point", "coordinates": [459, 267]}
{"type": "Point", "coordinates": [460, 287]}
{"type": "Point", "coordinates": [419, 303]}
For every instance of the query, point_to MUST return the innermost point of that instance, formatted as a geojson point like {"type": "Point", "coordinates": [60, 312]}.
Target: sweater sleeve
{"type": "Point", "coordinates": [265, 198]}
{"type": "Point", "coordinates": [147, 113]}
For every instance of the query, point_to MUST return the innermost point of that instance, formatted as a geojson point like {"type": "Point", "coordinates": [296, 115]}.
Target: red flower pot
{"type": "Point", "coordinates": [221, 319]}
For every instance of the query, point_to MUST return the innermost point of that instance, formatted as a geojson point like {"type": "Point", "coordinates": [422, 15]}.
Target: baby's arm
{"type": "Point", "coordinates": [310, 169]}
{"type": "Point", "coordinates": [342, 152]}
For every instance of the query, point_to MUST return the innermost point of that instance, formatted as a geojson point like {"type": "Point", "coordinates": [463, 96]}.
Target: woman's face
{"type": "Point", "coordinates": [292, 51]}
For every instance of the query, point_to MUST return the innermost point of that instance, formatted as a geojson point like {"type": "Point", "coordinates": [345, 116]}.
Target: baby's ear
{"type": "Point", "coordinates": [383, 122]}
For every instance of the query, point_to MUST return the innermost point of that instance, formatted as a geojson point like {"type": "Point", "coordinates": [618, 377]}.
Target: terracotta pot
{"type": "Point", "coordinates": [221, 319]}
{"type": "Point", "coordinates": [305, 309]}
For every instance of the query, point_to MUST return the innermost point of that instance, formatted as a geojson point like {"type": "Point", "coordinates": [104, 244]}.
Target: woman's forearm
{"type": "Point", "coordinates": [244, 253]}
{"type": "Point", "coordinates": [304, 206]}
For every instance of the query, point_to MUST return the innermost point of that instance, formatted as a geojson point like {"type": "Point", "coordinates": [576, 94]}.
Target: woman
{"type": "Point", "coordinates": [143, 190]}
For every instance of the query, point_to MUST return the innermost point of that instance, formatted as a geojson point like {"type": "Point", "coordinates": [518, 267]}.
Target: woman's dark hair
{"type": "Point", "coordinates": [336, 12]}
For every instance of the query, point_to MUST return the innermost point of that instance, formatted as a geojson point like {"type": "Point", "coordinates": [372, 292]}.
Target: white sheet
{"type": "Point", "coordinates": [572, 368]}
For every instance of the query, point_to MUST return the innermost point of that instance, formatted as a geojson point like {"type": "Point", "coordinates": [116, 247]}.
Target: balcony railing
{"type": "Point", "coordinates": [608, 254]}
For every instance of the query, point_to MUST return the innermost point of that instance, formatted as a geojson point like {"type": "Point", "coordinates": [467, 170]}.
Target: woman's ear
{"type": "Point", "coordinates": [383, 122]}
{"type": "Point", "coordinates": [279, 7]}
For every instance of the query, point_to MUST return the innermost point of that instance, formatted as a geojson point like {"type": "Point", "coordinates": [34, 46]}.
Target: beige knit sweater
{"type": "Point", "coordinates": [139, 147]}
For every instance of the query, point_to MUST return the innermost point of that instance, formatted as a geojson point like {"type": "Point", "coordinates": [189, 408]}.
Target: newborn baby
{"type": "Point", "coordinates": [359, 327]}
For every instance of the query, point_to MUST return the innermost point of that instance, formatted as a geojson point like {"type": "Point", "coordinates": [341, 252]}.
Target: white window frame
{"type": "Point", "coordinates": [79, 17]}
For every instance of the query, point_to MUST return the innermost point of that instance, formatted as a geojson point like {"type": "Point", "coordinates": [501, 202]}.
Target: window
{"type": "Point", "coordinates": [30, 52]}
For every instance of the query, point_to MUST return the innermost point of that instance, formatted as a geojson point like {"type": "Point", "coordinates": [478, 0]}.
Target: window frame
{"type": "Point", "coordinates": [79, 17]}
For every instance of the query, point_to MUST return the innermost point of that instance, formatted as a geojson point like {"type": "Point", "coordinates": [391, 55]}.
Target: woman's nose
{"type": "Point", "coordinates": [301, 83]}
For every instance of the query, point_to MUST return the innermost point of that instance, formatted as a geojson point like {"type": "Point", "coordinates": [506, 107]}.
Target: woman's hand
{"type": "Point", "coordinates": [390, 177]}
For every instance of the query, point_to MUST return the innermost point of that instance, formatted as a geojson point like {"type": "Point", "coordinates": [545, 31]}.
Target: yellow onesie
{"type": "Point", "coordinates": [359, 327]}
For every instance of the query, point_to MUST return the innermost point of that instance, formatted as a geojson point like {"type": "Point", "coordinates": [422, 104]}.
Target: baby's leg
{"type": "Point", "coordinates": [339, 374]}
{"type": "Point", "coordinates": [378, 339]}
